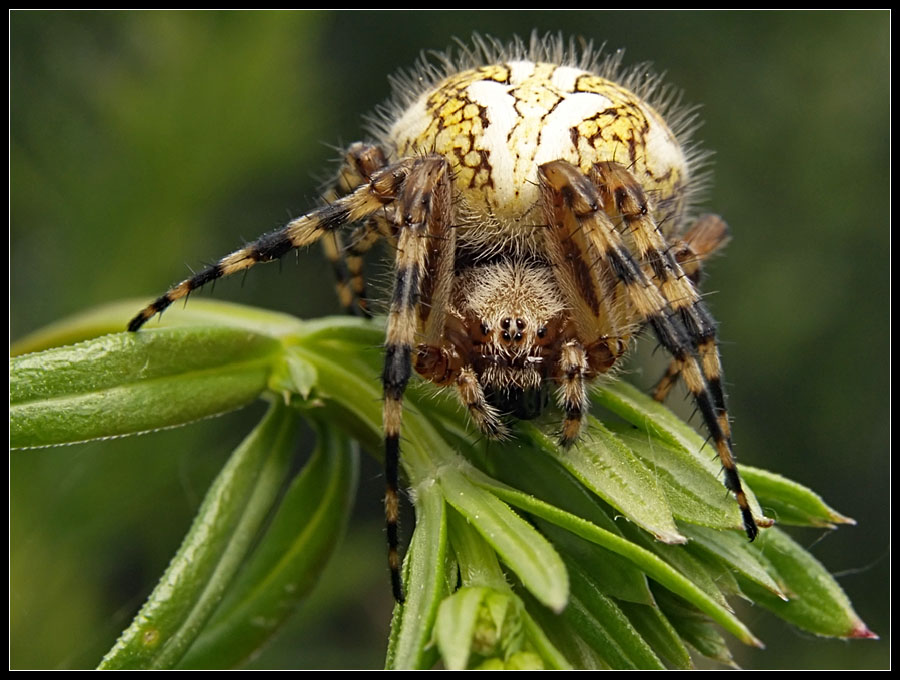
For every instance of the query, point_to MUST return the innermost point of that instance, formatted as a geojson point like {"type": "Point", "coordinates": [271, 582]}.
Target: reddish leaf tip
{"type": "Point", "coordinates": [861, 631]}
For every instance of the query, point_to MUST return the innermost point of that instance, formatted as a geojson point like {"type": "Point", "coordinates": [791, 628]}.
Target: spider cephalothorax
{"type": "Point", "coordinates": [536, 201]}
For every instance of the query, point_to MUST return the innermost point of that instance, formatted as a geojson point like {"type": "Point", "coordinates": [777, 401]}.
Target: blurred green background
{"type": "Point", "coordinates": [143, 144]}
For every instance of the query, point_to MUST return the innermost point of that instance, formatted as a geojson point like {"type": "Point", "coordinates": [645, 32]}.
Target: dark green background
{"type": "Point", "coordinates": [146, 143]}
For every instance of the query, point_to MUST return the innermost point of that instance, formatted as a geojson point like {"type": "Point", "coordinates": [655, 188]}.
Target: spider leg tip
{"type": "Point", "coordinates": [750, 526]}
{"type": "Point", "coordinates": [135, 324]}
{"type": "Point", "coordinates": [397, 587]}
{"type": "Point", "coordinates": [567, 441]}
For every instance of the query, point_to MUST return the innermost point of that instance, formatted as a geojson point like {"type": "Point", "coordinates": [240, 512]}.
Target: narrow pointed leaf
{"type": "Point", "coordinates": [425, 583]}
{"type": "Point", "coordinates": [735, 551]}
{"type": "Point", "coordinates": [564, 636]}
{"type": "Point", "coordinates": [722, 574]}
{"type": "Point", "coordinates": [694, 494]}
{"type": "Point", "coordinates": [523, 549]}
{"type": "Point", "coordinates": [695, 628]}
{"type": "Point", "coordinates": [135, 382]}
{"type": "Point", "coordinates": [612, 574]}
{"type": "Point", "coordinates": [483, 584]}
{"type": "Point", "coordinates": [659, 633]}
{"type": "Point", "coordinates": [638, 409]}
{"type": "Point", "coordinates": [215, 547]}
{"type": "Point", "coordinates": [113, 318]}
{"type": "Point", "coordinates": [605, 627]}
{"type": "Point", "coordinates": [455, 625]}
{"type": "Point", "coordinates": [552, 657]}
{"type": "Point", "coordinates": [629, 403]}
{"type": "Point", "coordinates": [527, 466]}
{"type": "Point", "coordinates": [302, 373]}
{"type": "Point", "coordinates": [789, 502]}
{"type": "Point", "coordinates": [289, 559]}
{"type": "Point", "coordinates": [476, 560]}
{"type": "Point", "coordinates": [608, 467]}
{"type": "Point", "coordinates": [681, 559]}
{"type": "Point", "coordinates": [655, 567]}
{"type": "Point", "coordinates": [816, 602]}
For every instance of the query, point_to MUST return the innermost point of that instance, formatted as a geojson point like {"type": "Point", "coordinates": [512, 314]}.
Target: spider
{"type": "Point", "coordinates": [535, 198]}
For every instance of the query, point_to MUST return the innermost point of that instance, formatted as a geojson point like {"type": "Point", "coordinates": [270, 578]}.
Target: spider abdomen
{"type": "Point", "coordinates": [498, 123]}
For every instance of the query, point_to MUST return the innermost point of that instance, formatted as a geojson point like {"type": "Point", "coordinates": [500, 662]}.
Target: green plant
{"type": "Point", "coordinates": [619, 553]}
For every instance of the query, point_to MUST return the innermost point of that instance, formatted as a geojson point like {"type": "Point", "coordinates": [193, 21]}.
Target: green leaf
{"type": "Point", "coordinates": [659, 633]}
{"type": "Point", "coordinates": [694, 494]}
{"type": "Point", "coordinates": [425, 583]}
{"type": "Point", "coordinates": [607, 467]}
{"type": "Point", "coordinates": [481, 623]}
{"type": "Point", "coordinates": [735, 551]}
{"type": "Point", "coordinates": [789, 502]}
{"type": "Point", "coordinates": [302, 373]}
{"type": "Point", "coordinates": [135, 382]}
{"type": "Point", "coordinates": [477, 562]}
{"type": "Point", "coordinates": [595, 501]}
{"type": "Point", "coordinates": [539, 641]}
{"type": "Point", "coordinates": [564, 636]}
{"type": "Point", "coordinates": [613, 575]}
{"type": "Point", "coordinates": [689, 566]}
{"type": "Point", "coordinates": [694, 628]}
{"type": "Point", "coordinates": [528, 465]}
{"type": "Point", "coordinates": [816, 602]}
{"type": "Point", "coordinates": [604, 626]}
{"type": "Point", "coordinates": [215, 547]}
{"type": "Point", "coordinates": [484, 614]}
{"type": "Point", "coordinates": [641, 410]}
{"type": "Point", "coordinates": [721, 573]}
{"type": "Point", "coordinates": [113, 318]}
{"type": "Point", "coordinates": [286, 565]}
{"type": "Point", "coordinates": [652, 565]}
{"type": "Point", "coordinates": [524, 661]}
{"type": "Point", "coordinates": [522, 548]}
{"type": "Point", "coordinates": [454, 628]}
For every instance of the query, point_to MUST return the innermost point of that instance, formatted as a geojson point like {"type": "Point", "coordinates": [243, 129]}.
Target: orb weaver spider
{"type": "Point", "coordinates": [536, 199]}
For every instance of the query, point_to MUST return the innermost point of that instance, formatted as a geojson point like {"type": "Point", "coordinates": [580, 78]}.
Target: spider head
{"type": "Point", "coordinates": [512, 322]}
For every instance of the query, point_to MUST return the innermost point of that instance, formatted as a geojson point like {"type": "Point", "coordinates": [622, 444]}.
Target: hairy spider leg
{"type": "Point", "coordinates": [423, 210]}
{"type": "Point", "coordinates": [625, 200]}
{"type": "Point", "coordinates": [578, 203]}
{"type": "Point", "coordinates": [303, 231]}
{"type": "Point", "coordinates": [361, 162]}
{"type": "Point", "coordinates": [707, 236]}
{"type": "Point", "coordinates": [590, 294]}
{"type": "Point", "coordinates": [572, 395]}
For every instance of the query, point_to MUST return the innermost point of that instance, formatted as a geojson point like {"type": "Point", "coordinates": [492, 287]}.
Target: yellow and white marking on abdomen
{"type": "Point", "coordinates": [496, 124]}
